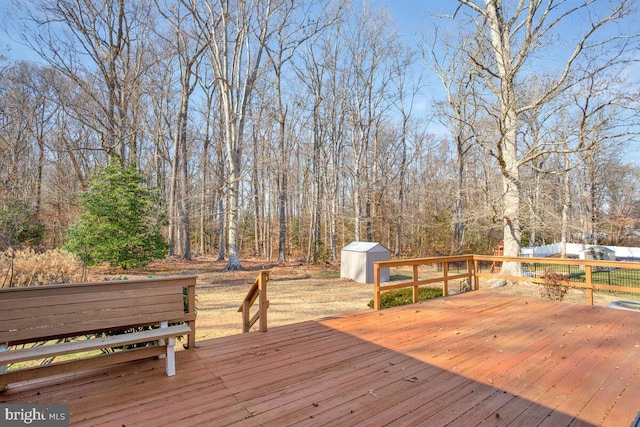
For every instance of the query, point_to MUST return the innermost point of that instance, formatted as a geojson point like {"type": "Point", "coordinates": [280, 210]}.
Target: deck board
{"type": "Point", "coordinates": [478, 358]}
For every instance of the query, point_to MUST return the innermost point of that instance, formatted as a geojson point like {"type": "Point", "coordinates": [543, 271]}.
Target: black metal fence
{"type": "Point", "coordinates": [609, 274]}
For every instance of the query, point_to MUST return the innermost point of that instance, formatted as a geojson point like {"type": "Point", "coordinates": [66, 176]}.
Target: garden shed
{"type": "Point", "coordinates": [598, 253]}
{"type": "Point", "coordinates": [357, 259]}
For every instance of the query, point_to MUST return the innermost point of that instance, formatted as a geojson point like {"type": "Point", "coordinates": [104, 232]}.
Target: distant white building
{"type": "Point", "coordinates": [620, 253]}
{"type": "Point", "coordinates": [357, 259]}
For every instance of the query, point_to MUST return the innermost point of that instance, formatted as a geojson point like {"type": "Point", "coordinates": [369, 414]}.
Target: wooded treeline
{"type": "Point", "coordinates": [284, 129]}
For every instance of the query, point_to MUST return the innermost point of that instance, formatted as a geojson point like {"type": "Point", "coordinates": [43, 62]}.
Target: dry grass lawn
{"type": "Point", "coordinates": [291, 300]}
{"type": "Point", "coordinates": [295, 292]}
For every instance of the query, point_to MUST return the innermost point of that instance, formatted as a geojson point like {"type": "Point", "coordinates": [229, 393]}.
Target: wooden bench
{"type": "Point", "coordinates": [42, 322]}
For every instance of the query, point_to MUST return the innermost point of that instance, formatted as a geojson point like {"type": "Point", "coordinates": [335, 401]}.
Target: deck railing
{"type": "Point", "coordinates": [591, 275]}
{"type": "Point", "coordinates": [415, 281]}
{"type": "Point", "coordinates": [257, 292]}
{"type": "Point", "coordinates": [614, 276]}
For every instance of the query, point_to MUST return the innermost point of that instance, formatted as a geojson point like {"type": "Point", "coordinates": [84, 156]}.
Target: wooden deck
{"type": "Point", "coordinates": [477, 358]}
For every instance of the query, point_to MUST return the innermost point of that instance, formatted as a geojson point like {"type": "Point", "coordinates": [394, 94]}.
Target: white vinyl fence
{"type": "Point", "coordinates": [574, 249]}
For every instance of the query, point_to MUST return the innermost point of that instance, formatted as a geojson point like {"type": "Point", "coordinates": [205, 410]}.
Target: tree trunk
{"type": "Point", "coordinates": [234, 154]}
{"type": "Point", "coordinates": [566, 203]}
{"type": "Point", "coordinates": [173, 189]}
{"type": "Point", "coordinates": [357, 183]}
{"type": "Point", "coordinates": [221, 240]}
{"type": "Point", "coordinates": [203, 193]}
{"type": "Point", "coordinates": [282, 184]}
{"type": "Point", "coordinates": [507, 146]}
{"type": "Point", "coordinates": [401, 184]}
{"type": "Point", "coordinates": [459, 224]}
{"type": "Point", "coordinates": [185, 184]}
{"type": "Point", "coordinates": [255, 195]}
{"type": "Point", "coordinates": [317, 184]}
{"type": "Point", "coordinates": [512, 233]}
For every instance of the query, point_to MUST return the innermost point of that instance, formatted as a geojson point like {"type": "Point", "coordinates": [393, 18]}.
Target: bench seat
{"type": "Point", "coordinates": [44, 322]}
{"type": "Point", "coordinates": [58, 349]}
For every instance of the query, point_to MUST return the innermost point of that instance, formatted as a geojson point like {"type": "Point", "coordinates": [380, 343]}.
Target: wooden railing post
{"type": "Point", "coordinates": [246, 320]}
{"type": "Point", "coordinates": [263, 304]}
{"type": "Point", "coordinates": [471, 281]}
{"type": "Point", "coordinates": [476, 270]}
{"type": "Point", "coordinates": [258, 292]}
{"type": "Point", "coordinates": [588, 278]}
{"type": "Point", "coordinates": [445, 282]}
{"type": "Point", "coordinates": [416, 288]}
{"type": "Point", "coordinates": [376, 286]}
{"type": "Point", "coordinates": [191, 302]}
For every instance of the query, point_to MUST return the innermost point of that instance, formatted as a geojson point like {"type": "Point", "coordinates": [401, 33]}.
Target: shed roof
{"type": "Point", "coordinates": [594, 249]}
{"type": "Point", "coordinates": [365, 247]}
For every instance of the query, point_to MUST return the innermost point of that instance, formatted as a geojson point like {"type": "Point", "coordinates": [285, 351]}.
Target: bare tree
{"type": "Point", "coordinates": [369, 45]}
{"type": "Point", "coordinates": [239, 31]}
{"type": "Point", "coordinates": [460, 111]}
{"type": "Point", "coordinates": [602, 124]}
{"type": "Point", "coordinates": [622, 201]}
{"type": "Point", "coordinates": [298, 21]}
{"type": "Point", "coordinates": [209, 127]}
{"type": "Point", "coordinates": [407, 87]}
{"type": "Point", "coordinates": [100, 46]}
{"type": "Point", "coordinates": [514, 36]}
{"type": "Point", "coordinates": [188, 45]}
{"type": "Point", "coordinates": [303, 132]}
{"type": "Point", "coordinates": [324, 78]}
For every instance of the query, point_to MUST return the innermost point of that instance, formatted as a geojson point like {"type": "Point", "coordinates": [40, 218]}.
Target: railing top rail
{"type": "Point", "coordinates": [189, 280]}
{"type": "Point", "coordinates": [561, 261]}
{"type": "Point", "coordinates": [252, 295]}
{"type": "Point", "coordinates": [419, 261]}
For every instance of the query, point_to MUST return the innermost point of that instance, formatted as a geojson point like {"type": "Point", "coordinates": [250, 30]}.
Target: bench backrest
{"type": "Point", "coordinates": [57, 311]}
